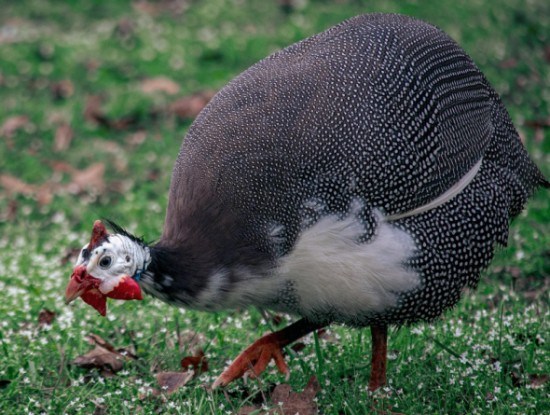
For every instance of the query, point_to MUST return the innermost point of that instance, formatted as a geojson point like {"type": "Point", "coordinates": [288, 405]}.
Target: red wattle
{"type": "Point", "coordinates": [127, 289]}
{"type": "Point", "coordinates": [96, 299]}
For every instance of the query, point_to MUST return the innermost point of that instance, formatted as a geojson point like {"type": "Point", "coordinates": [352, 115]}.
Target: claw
{"type": "Point", "coordinates": [254, 360]}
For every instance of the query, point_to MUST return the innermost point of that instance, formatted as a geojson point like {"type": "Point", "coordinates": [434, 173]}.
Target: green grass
{"type": "Point", "coordinates": [481, 357]}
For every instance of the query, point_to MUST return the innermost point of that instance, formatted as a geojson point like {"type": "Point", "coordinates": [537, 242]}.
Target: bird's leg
{"type": "Point", "coordinates": [379, 336]}
{"type": "Point", "coordinates": [257, 356]}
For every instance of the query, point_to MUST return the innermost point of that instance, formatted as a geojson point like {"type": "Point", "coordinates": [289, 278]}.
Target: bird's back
{"type": "Point", "coordinates": [379, 115]}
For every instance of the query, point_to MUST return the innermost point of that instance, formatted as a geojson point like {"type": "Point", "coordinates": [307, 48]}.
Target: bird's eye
{"type": "Point", "coordinates": [105, 262]}
{"type": "Point", "coordinates": [85, 253]}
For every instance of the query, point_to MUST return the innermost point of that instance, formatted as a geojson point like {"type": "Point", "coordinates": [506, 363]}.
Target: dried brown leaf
{"type": "Point", "coordinates": [94, 339]}
{"type": "Point", "coordinates": [277, 319]}
{"type": "Point", "coordinates": [170, 382]}
{"type": "Point", "coordinates": [189, 107]}
{"type": "Point", "coordinates": [46, 317]}
{"type": "Point", "coordinates": [538, 381]}
{"type": "Point", "coordinates": [63, 137]}
{"type": "Point", "coordinates": [45, 192]}
{"type": "Point", "coordinates": [13, 185]}
{"type": "Point", "coordinates": [100, 358]}
{"type": "Point", "coordinates": [159, 84]}
{"type": "Point", "coordinates": [42, 193]}
{"type": "Point", "coordinates": [154, 8]}
{"type": "Point", "coordinates": [509, 63]}
{"type": "Point", "coordinates": [298, 346]}
{"type": "Point", "coordinates": [93, 112]}
{"type": "Point", "coordinates": [294, 402]}
{"type": "Point", "coordinates": [516, 379]}
{"type": "Point", "coordinates": [287, 402]}
{"type": "Point", "coordinates": [11, 212]}
{"type": "Point", "coordinates": [125, 29]}
{"type": "Point", "coordinates": [538, 123]}
{"type": "Point", "coordinates": [198, 363]}
{"type": "Point", "coordinates": [136, 138]}
{"type": "Point", "coordinates": [100, 409]}
{"type": "Point", "coordinates": [91, 178]}
{"type": "Point", "coordinates": [12, 124]}
{"type": "Point", "coordinates": [62, 89]}
{"type": "Point", "coordinates": [327, 335]}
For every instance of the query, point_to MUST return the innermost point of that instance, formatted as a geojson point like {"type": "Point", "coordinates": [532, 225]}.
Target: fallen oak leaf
{"type": "Point", "coordinates": [190, 106]}
{"type": "Point", "coordinates": [538, 381]}
{"type": "Point", "coordinates": [12, 124]}
{"type": "Point", "coordinates": [11, 212]}
{"type": "Point", "coordinates": [327, 335]}
{"type": "Point", "coordinates": [198, 363]}
{"type": "Point", "coordinates": [42, 193]}
{"type": "Point", "coordinates": [46, 317]}
{"type": "Point", "coordinates": [298, 346]}
{"type": "Point", "coordinates": [63, 137]}
{"type": "Point", "coordinates": [516, 379]}
{"type": "Point", "coordinates": [94, 339]}
{"type": "Point", "coordinates": [538, 123]}
{"type": "Point", "coordinates": [45, 192]}
{"type": "Point", "coordinates": [100, 358]}
{"type": "Point", "coordinates": [295, 402]}
{"type": "Point", "coordinates": [287, 402]}
{"type": "Point", "coordinates": [14, 185]}
{"type": "Point", "coordinates": [100, 409]}
{"type": "Point", "coordinates": [154, 8]}
{"type": "Point", "coordinates": [159, 84]}
{"type": "Point", "coordinates": [136, 139]}
{"type": "Point", "coordinates": [104, 356]}
{"type": "Point", "coordinates": [93, 112]}
{"type": "Point", "coordinates": [170, 382]}
{"type": "Point", "coordinates": [62, 89]}
{"type": "Point", "coordinates": [91, 178]}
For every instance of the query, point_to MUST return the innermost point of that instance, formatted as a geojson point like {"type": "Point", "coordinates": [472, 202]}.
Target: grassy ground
{"type": "Point", "coordinates": [67, 158]}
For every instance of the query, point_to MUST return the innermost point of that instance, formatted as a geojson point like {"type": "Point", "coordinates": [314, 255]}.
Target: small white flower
{"type": "Point", "coordinates": [416, 330]}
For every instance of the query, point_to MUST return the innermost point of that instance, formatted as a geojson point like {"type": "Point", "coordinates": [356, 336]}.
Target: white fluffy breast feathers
{"type": "Point", "coordinates": [117, 255]}
{"type": "Point", "coordinates": [330, 270]}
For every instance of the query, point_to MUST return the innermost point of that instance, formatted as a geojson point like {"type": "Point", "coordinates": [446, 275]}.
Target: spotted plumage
{"type": "Point", "coordinates": [361, 176]}
{"type": "Point", "coordinates": [382, 112]}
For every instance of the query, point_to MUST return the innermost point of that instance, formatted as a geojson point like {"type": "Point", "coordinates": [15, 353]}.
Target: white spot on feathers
{"type": "Point", "coordinates": [330, 270]}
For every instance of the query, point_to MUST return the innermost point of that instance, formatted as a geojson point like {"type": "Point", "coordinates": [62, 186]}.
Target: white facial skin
{"type": "Point", "coordinates": [117, 257]}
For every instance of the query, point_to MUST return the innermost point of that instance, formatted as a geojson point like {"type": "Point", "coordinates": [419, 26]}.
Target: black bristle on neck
{"type": "Point", "coordinates": [116, 228]}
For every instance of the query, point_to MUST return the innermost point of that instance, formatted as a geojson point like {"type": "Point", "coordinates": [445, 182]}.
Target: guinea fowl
{"type": "Point", "coordinates": [362, 176]}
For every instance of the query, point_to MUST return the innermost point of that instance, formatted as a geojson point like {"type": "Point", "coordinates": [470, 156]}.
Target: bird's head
{"type": "Point", "coordinates": [110, 265]}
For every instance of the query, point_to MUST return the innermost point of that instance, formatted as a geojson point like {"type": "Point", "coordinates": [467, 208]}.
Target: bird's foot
{"type": "Point", "coordinates": [254, 360]}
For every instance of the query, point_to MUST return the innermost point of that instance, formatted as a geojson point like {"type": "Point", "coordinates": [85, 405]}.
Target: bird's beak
{"type": "Point", "coordinates": [85, 286]}
{"type": "Point", "coordinates": [80, 282]}
{"type": "Point", "coordinates": [94, 291]}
